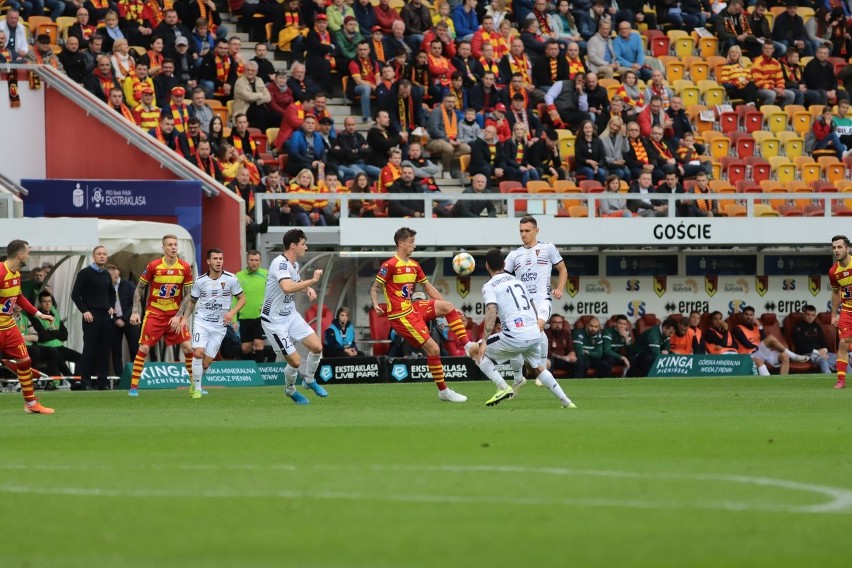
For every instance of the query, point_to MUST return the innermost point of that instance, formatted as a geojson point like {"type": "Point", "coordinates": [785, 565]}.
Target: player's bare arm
{"type": "Point", "coordinates": [187, 305]}
{"type": "Point", "coordinates": [312, 294]}
{"type": "Point", "coordinates": [835, 304]}
{"type": "Point", "coordinates": [43, 316]}
{"type": "Point", "coordinates": [229, 317]}
{"type": "Point", "coordinates": [490, 320]}
{"type": "Point", "coordinates": [290, 287]}
{"type": "Point", "coordinates": [374, 296]}
{"type": "Point", "coordinates": [561, 281]}
{"type": "Point", "coordinates": [432, 292]}
{"type": "Point", "coordinates": [138, 294]}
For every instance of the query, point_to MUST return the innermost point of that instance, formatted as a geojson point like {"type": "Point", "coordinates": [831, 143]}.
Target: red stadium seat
{"type": "Point", "coordinates": [379, 331]}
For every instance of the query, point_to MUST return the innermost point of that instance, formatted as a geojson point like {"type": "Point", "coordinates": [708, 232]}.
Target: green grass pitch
{"type": "Point", "coordinates": [747, 472]}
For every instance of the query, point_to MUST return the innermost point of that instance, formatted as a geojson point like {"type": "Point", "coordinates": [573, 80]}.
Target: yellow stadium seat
{"type": "Point", "coordinates": [578, 211]}
{"type": "Point", "coordinates": [770, 147]}
{"type": "Point", "coordinates": [699, 71]}
{"type": "Point", "coordinates": [808, 169]}
{"type": "Point", "coordinates": [720, 147]}
{"type": "Point", "coordinates": [776, 121]}
{"type": "Point", "coordinates": [736, 210]}
{"type": "Point", "coordinates": [675, 71]}
{"type": "Point", "coordinates": [801, 122]}
{"type": "Point", "coordinates": [684, 46]}
{"type": "Point", "coordinates": [708, 46]}
{"type": "Point", "coordinates": [271, 135]}
{"type": "Point", "coordinates": [764, 210]}
{"type": "Point", "coordinates": [713, 93]}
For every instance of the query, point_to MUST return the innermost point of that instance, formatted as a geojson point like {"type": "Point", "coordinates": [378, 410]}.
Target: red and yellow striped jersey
{"type": "Point", "coordinates": [166, 284]}
{"type": "Point", "coordinates": [841, 281]}
{"type": "Point", "coordinates": [399, 277]}
{"type": "Point", "coordinates": [10, 295]}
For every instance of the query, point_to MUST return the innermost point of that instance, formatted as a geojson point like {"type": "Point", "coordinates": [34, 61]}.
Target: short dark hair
{"type": "Point", "coordinates": [403, 234]}
{"type": "Point", "coordinates": [253, 252]}
{"type": "Point", "coordinates": [192, 121]}
{"type": "Point", "coordinates": [621, 317]}
{"type": "Point", "coordinates": [713, 314]}
{"type": "Point", "coordinates": [669, 322]}
{"type": "Point", "coordinates": [809, 308]}
{"type": "Point", "coordinates": [702, 173]}
{"type": "Point", "coordinates": [16, 246]}
{"type": "Point", "coordinates": [747, 309]}
{"type": "Point", "coordinates": [44, 294]}
{"type": "Point", "coordinates": [495, 259]}
{"type": "Point", "coordinates": [211, 252]}
{"type": "Point", "coordinates": [293, 237]}
{"type": "Point", "coordinates": [843, 238]}
{"type": "Point", "coordinates": [529, 219]}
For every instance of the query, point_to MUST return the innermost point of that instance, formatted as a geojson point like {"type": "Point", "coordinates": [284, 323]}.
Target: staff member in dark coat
{"type": "Point", "coordinates": [122, 308]}
{"type": "Point", "coordinates": [94, 296]}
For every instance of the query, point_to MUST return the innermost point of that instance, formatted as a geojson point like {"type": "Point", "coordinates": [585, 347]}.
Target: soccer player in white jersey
{"type": "Point", "coordinates": [533, 264]}
{"type": "Point", "coordinates": [282, 324]}
{"type": "Point", "coordinates": [507, 298]}
{"type": "Point", "coordinates": [211, 297]}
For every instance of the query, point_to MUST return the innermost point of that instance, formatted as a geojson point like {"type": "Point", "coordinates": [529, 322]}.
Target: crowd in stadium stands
{"type": "Point", "coordinates": [561, 93]}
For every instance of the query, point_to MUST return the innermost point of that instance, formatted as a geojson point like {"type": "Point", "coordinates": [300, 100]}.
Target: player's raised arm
{"type": "Point", "coordinates": [290, 287]}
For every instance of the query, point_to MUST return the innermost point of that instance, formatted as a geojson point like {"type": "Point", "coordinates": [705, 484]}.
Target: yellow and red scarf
{"type": "Point", "coordinates": [238, 144]}
{"type": "Point", "coordinates": [181, 116]}
{"type": "Point", "coordinates": [223, 70]}
{"type": "Point", "coordinates": [205, 15]}
{"type": "Point", "coordinates": [639, 150]}
{"type": "Point", "coordinates": [491, 66]}
{"type": "Point", "coordinates": [325, 39]}
{"type": "Point", "coordinates": [520, 65]}
{"type": "Point", "coordinates": [451, 123]}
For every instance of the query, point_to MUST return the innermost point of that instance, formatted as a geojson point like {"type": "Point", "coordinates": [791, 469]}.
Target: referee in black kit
{"type": "Point", "coordinates": [94, 296]}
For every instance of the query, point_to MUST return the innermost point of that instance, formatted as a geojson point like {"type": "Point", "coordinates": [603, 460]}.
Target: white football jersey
{"type": "Point", "coordinates": [277, 304]}
{"type": "Point", "coordinates": [517, 316]}
{"type": "Point", "coordinates": [533, 266]}
{"type": "Point", "coordinates": [213, 297]}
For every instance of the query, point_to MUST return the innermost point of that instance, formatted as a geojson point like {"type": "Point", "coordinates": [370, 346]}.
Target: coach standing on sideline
{"type": "Point", "coordinates": [94, 296]}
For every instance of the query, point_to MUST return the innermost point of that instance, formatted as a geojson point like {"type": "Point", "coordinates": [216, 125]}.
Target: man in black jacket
{"type": "Point", "coordinates": [122, 330]}
{"type": "Point", "coordinates": [485, 155]}
{"type": "Point", "coordinates": [789, 29]}
{"type": "Point", "coordinates": [645, 206]}
{"type": "Point", "coordinates": [381, 140]}
{"type": "Point", "coordinates": [485, 96]}
{"type": "Point", "coordinates": [404, 107]}
{"type": "Point", "coordinates": [680, 121]}
{"type": "Point", "coordinates": [819, 77]}
{"type": "Point", "coordinates": [809, 339]}
{"type": "Point", "coordinates": [470, 208]}
{"type": "Point", "coordinates": [406, 207]}
{"type": "Point", "coordinates": [94, 296]}
{"type": "Point", "coordinates": [349, 150]}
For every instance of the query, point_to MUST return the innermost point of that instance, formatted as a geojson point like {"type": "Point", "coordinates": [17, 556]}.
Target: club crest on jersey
{"type": "Point", "coordinates": [537, 252]}
{"type": "Point", "coordinates": [222, 284]}
{"type": "Point", "coordinates": [519, 322]}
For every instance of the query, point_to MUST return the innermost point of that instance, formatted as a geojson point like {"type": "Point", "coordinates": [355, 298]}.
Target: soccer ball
{"type": "Point", "coordinates": [463, 264]}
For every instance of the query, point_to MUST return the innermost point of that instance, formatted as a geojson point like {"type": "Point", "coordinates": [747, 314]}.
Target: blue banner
{"type": "Point", "coordinates": [721, 265]}
{"type": "Point", "coordinates": [789, 265]}
{"type": "Point", "coordinates": [118, 198]}
{"type": "Point", "coordinates": [641, 265]}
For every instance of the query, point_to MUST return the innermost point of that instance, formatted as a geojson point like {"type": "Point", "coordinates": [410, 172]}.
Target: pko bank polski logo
{"type": "Point", "coordinates": [399, 372]}
{"type": "Point", "coordinates": [326, 373]}
{"type": "Point", "coordinates": [85, 197]}
{"type": "Point", "coordinates": [78, 196]}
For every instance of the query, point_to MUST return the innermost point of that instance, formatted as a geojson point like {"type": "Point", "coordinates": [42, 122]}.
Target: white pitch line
{"type": "Point", "coordinates": [840, 500]}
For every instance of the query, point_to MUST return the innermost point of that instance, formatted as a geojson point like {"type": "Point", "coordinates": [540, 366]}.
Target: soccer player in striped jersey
{"type": "Point", "coordinates": [169, 280]}
{"type": "Point", "coordinates": [840, 277]}
{"type": "Point", "coordinates": [11, 341]}
{"type": "Point", "coordinates": [533, 264]}
{"type": "Point", "coordinates": [212, 294]}
{"type": "Point", "coordinates": [397, 278]}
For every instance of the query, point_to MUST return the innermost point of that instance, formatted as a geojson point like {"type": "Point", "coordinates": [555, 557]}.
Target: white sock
{"type": "Point", "coordinates": [290, 375]}
{"type": "Point", "coordinates": [544, 344]}
{"type": "Point", "coordinates": [547, 380]}
{"type": "Point", "coordinates": [487, 366]}
{"type": "Point", "coordinates": [311, 365]}
{"type": "Point", "coordinates": [197, 372]}
{"type": "Point", "coordinates": [517, 363]}
{"type": "Point", "coordinates": [763, 371]}
{"type": "Point", "coordinates": [791, 355]}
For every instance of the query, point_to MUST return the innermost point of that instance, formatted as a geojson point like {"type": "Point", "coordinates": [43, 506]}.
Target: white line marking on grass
{"type": "Point", "coordinates": [840, 500]}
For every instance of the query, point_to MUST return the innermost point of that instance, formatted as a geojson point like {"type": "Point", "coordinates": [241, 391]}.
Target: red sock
{"type": "Point", "coordinates": [437, 371]}
{"type": "Point", "coordinates": [841, 370]}
{"type": "Point", "coordinates": [138, 365]}
{"type": "Point", "coordinates": [457, 326]}
{"type": "Point", "coordinates": [25, 379]}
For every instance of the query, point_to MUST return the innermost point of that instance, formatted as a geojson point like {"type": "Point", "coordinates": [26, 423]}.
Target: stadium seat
{"type": "Point", "coordinates": [719, 147]}
{"type": "Point", "coordinates": [823, 186]}
{"type": "Point", "coordinates": [734, 169]}
{"type": "Point", "coordinates": [764, 210]}
{"type": "Point", "coordinates": [814, 210]}
{"type": "Point", "coordinates": [789, 211]}
{"type": "Point", "coordinates": [752, 119]}
{"type": "Point", "coordinates": [792, 143]}
{"type": "Point", "coordinates": [708, 47]}
{"type": "Point", "coordinates": [698, 69]}
{"type": "Point", "coordinates": [589, 185]}
{"type": "Point", "coordinates": [659, 44]}
{"type": "Point", "coordinates": [760, 169]}
{"type": "Point", "coordinates": [748, 186]}
{"type": "Point", "coordinates": [464, 162]}
{"type": "Point", "coordinates": [808, 168]}
{"type": "Point", "coordinates": [539, 186]}
{"type": "Point", "coordinates": [826, 163]}
{"type": "Point", "coordinates": [776, 121]}
{"type": "Point", "coordinates": [675, 71]}
{"type": "Point", "coordinates": [566, 146]}
{"type": "Point", "coordinates": [815, 111]}
{"type": "Point", "coordinates": [729, 122]}
{"type": "Point", "coordinates": [769, 147]}
{"type": "Point", "coordinates": [645, 322]}
{"type": "Point", "coordinates": [65, 22]}
{"type": "Point", "coordinates": [327, 317]}
{"type": "Point", "coordinates": [271, 135]}
{"type": "Point", "coordinates": [578, 211]}
{"type": "Point", "coordinates": [379, 332]}
{"type": "Point", "coordinates": [736, 210]}
{"type": "Point", "coordinates": [801, 122]}
{"type": "Point", "coordinates": [783, 169]}
{"type": "Point", "coordinates": [694, 113]}
{"type": "Point", "coordinates": [712, 92]}
{"type": "Point", "coordinates": [683, 46]}
{"type": "Point", "coordinates": [743, 143]}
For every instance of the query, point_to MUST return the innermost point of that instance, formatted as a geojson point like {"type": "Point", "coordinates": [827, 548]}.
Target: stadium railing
{"type": "Point", "coordinates": [11, 205]}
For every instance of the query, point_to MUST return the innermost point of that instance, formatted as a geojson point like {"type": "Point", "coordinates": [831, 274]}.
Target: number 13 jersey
{"type": "Point", "coordinates": [517, 316]}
